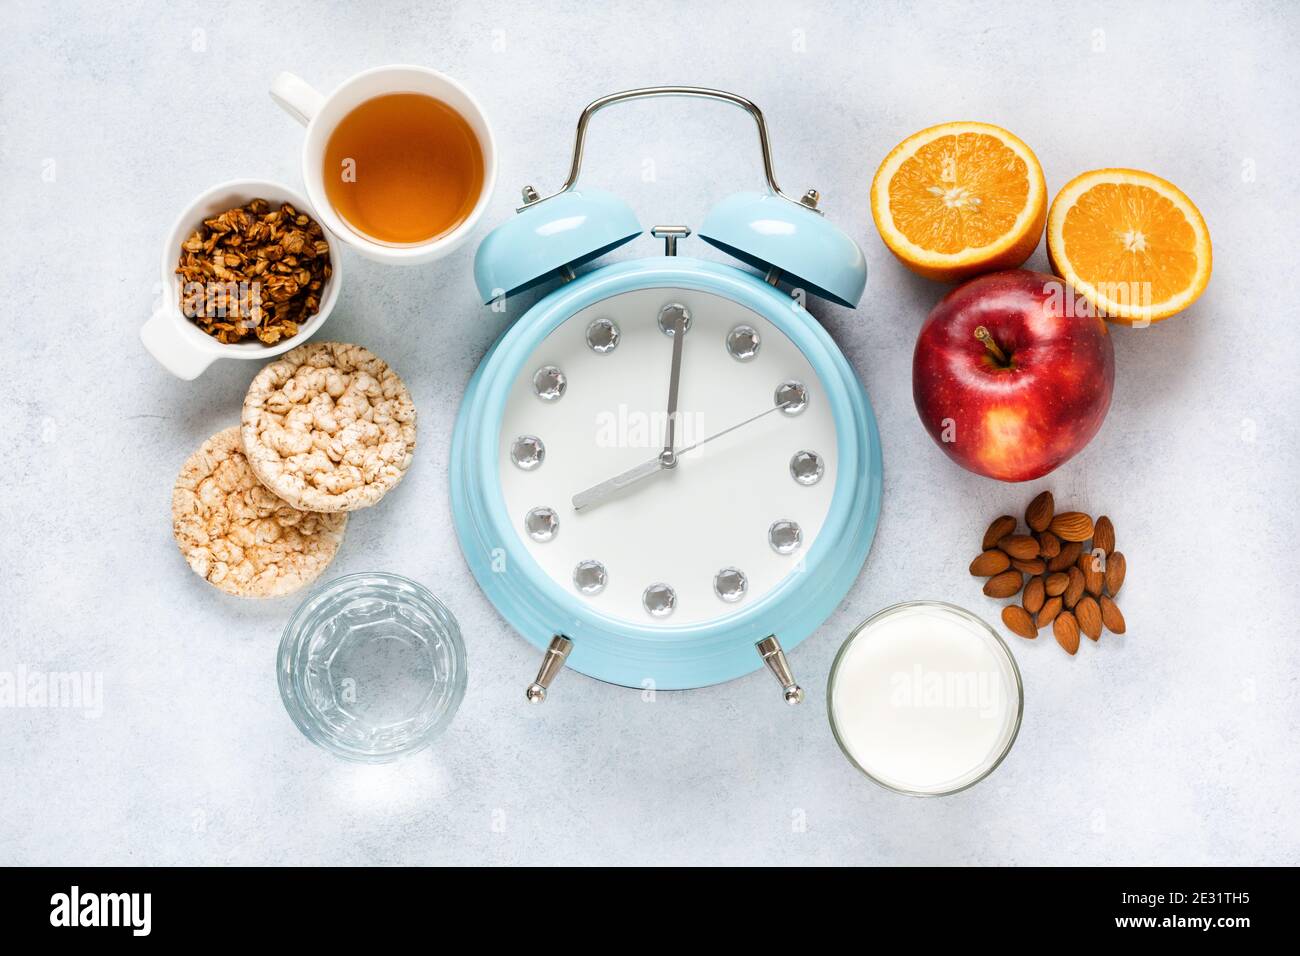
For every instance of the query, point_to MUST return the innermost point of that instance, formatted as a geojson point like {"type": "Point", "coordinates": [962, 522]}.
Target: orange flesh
{"type": "Point", "coordinates": [1130, 235]}
{"type": "Point", "coordinates": [959, 192]}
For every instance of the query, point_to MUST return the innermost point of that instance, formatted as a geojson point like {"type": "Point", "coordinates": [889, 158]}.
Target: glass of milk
{"type": "Point", "coordinates": [925, 698]}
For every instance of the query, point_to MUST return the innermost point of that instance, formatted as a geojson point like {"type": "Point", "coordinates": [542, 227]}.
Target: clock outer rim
{"type": "Point", "coordinates": [671, 657]}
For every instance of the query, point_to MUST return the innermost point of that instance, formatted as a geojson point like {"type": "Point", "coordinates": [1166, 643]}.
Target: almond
{"type": "Point", "coordinates": [1088, 614]}
{"type": "Point", "coordinates": [1066, 629]}
{"type": "Point", "coordinates": [1034, 595]}
{"type": "Point", "coordinates": [1003, 585]}
{"type": "Point", "coordinates": [1116, 567]}
{"type": "Point", "coordinates": [1064, 572]}
{"type": "Point", "coordinates": [1110, 615]}
{"type": "Point", "coordinates": [1072, 526]}
{"type": "Point", "coordinates": [1069, 554]}
{"type": "Point", "coordinates": [1020, 546]}
{"type": "Point", "coordinates": [1018, 621]}
{"type": "Point", "coordinates": [1103, 535]}
{"type": "Point", "coordinates": [1039, 513]}
{"type": "Point", "coordinates": [1051, 607]}
{"type": "Point", "coordinates": [1049, 545]}
{"type": "Point", "coordinates": [1074, 590]}
{"type": "Point", "coordinates": [1094, 577]}
{"type": "Point", "coordinates": [999, 529]}
{"type": "Point", "coordinates": [990, 563]}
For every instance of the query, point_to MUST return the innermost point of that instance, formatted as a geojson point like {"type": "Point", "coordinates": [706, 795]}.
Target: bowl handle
{"type": "Point", "coordinates": [296, 97]}
{"type": "Point", "coordinates": [163, 338]}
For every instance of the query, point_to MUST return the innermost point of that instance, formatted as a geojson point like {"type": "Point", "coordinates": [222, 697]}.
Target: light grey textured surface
{"type": "Point", "coordinates": [1175, 744]}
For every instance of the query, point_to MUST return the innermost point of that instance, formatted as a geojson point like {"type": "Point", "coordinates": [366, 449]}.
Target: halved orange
{"type": "Point", "coordinates": [1130, 243]}
{"type": "Point", "coordinates": [959, 199]}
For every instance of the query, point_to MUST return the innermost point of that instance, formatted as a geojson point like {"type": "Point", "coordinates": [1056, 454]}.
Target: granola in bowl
{"type": "Point", "coordinates": [255, 271]}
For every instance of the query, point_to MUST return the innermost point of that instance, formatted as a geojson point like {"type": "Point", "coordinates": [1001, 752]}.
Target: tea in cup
{"type": "Point", "coordinates": [399, 161]}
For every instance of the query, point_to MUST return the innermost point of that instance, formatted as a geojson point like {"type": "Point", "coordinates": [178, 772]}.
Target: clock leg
{"type": "Point", "coordinates": [769, 648]}
{"type": "Point", "coordinates": [552, 663]}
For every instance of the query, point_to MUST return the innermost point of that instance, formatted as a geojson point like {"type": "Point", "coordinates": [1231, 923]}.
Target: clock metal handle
{"type": "Point", "coordinates": [552, 664]}
{"type": "Point", "coordinates": [769, 648]}
{"type": "Point", "coordinates": [809, 199]}
{"type": "Point", "coordinates": [670, 235]}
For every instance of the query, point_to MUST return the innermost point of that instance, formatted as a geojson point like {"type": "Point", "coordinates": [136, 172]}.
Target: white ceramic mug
{"type": "Point", "coordinates": [320, 114]}
{"type": "Point", "coordinates": [182, 347]}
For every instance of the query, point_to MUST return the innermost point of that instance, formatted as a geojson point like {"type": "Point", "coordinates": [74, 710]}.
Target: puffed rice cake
{"type": "Point", "coordinates": [329, 427]}
{"type": "Point", "coordinates": [237, 535]}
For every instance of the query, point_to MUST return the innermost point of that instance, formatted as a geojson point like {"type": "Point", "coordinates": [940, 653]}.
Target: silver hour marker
{"type": "Point", "coordinates": [528, 452]}
{"type": "Point", "coordinates": [785, 536]}
{"type": "Point", "coordinates": [603, 336]}
{"type": "Point", "coordinates": [668, 316]}
{"type": "Point", "coordinates": [743, 343]}
{"type": "Point", "coordinates": [806, 467]}
{"type": "Point", "coordinates": [659, 600]}
{"type": "Point", "coordinates": [730, 584]}
{"type": "Point", "coordinates": [542, 524]}
{"type": "Point", "coordinates": [793, 395]}
{"type": "Point", "coordinates": [549, 383]}
{"type": "Point", "coordinates": [590, 577]}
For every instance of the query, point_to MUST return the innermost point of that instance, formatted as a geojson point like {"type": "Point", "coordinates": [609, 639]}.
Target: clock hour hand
{"type": "Point", "coordinates": [602, 492]}
{"type": "Point", "coordinates": [607, 489]}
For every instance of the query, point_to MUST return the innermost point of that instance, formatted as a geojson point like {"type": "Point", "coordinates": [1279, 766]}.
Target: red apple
{"type": "Point", "coordinates": [1010, 378]}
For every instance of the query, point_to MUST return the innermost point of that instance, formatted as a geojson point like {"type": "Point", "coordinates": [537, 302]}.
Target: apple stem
{"type": "Point", "coordinates": [986, 337]}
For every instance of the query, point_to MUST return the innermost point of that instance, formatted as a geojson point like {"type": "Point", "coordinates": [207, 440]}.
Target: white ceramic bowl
{"type": "Point", "coordinates": [182, 347]}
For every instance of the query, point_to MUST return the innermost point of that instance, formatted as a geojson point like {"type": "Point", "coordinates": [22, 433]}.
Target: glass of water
{"type": "Point", "coordinates": [372, 667]}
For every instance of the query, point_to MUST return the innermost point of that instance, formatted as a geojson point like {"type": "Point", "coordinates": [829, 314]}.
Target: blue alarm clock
{"type": "Point", "coordinates": [665, 474]}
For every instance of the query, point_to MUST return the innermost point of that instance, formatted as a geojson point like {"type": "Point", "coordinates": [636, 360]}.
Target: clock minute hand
{"type": "Point", "coordinates": [732, 428]}
{"type": "Point", "coordinates": [677, 318]}
{"type": "Point", "coordinates": [597, 494]}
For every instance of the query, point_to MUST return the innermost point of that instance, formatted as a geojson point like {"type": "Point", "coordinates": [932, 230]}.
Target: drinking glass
{"type": "Point", "coordinates": [371, 667]}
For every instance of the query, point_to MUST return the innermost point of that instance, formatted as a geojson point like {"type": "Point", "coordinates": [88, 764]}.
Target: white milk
{"type": "Point", "coordinates": [925, 698]}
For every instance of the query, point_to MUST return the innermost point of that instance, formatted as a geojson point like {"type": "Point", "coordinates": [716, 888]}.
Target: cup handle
{"type": "Point", "coordinates": [296, 97]}
{"type": "Point", "coordinates": [165, 342]}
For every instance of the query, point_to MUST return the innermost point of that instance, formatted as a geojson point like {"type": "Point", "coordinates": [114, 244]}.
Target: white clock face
{"type": "Point", "coordinates": [732, 518]}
